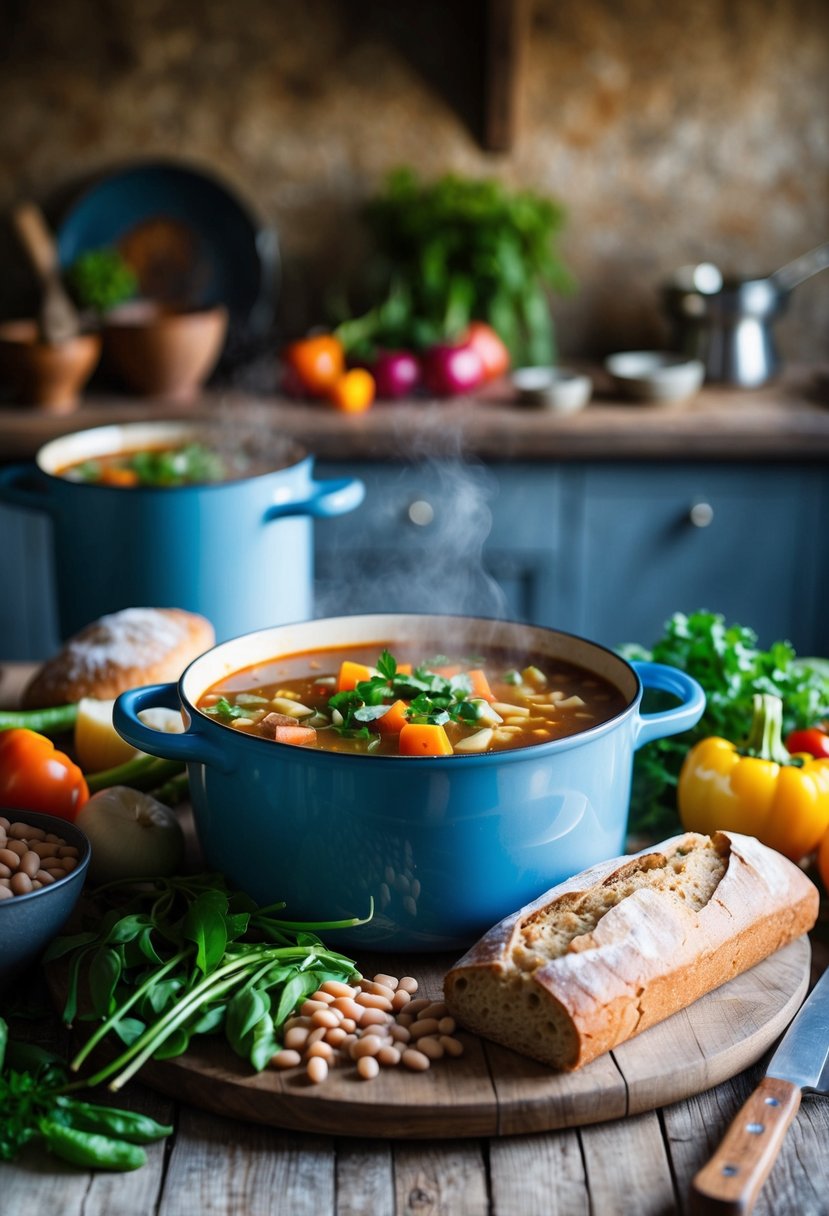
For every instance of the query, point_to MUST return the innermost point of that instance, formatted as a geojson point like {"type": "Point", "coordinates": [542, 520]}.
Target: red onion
{"type": "Point", "coordinates": [451, 370]}
{"type": "Point", "coordinates": [396, 374]}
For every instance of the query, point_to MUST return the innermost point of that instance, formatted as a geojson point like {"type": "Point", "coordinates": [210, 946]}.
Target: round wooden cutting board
{"type": "Point", "coordinates": [490, 1091]}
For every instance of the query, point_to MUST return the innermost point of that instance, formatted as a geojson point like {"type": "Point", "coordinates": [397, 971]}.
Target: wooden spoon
{"type": "Point", "coordinates": [58, 318]}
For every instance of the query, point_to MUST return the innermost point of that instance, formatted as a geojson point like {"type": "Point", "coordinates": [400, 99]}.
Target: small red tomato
{"type": "Point", "coordinates": [812, 742]}
{"type": "Point", "coordinates": [490, 347]}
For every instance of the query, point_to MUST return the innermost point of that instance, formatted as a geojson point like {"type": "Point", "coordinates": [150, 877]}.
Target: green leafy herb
{"type": "Point", "coordinates": [459, 249]}
{"type": "Point", "coordinates": [727, 662]}
{"type": "Point", "coordinates": [100, 279]}
{"type": "Point", "coordinates": [35, 1104]}
{"type": "Point", "coordinates": [180, 957]}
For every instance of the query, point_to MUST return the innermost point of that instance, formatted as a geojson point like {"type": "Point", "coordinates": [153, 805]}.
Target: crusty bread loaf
{"type": "Point", "coordinates": [606, 954]}
{"type": "Point", "coordinates": [124, 650]}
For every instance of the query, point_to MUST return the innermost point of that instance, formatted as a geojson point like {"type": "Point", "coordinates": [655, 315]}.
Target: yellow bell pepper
{"type": "Point", "coordinates": [759, 789]}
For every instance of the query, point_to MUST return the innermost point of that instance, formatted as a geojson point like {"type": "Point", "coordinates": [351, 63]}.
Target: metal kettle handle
{"type": "Point", "coordinates": [802, 268]}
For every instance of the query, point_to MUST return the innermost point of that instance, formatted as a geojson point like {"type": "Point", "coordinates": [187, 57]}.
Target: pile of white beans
{"type": "Point", "coordinates": [31, 858]}
{"type": "Point", "coordinates": [373, 1024]}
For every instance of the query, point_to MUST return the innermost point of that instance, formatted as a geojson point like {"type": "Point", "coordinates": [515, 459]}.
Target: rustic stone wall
{"type": "Point", "coordinates": [671, 132]}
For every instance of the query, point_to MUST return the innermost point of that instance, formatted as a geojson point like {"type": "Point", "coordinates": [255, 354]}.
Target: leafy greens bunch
{"type": "Point", "coordinates": [36, 1104]}
{"type": "Point", "coordinates": [184, 956]}
{"type": "Point", "coordinates": [456, 250]}
{"type": "Point", "coordinates": [432, 697]}
{"type": "Point", "coordinates": [727, 662]}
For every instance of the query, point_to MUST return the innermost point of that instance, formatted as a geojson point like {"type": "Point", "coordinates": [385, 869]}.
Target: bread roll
{"type": "Point", "coordinates": [124, 650]}
{"type": "Point", "coordinates": [616, 949]}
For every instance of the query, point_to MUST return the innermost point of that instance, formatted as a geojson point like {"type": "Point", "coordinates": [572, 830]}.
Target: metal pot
{"type": "Point", "coordinates": [444, 846]}
{"type": "Point", "coordinates": [729, 323]}
{"type": "Point", "coordinates": [239, 552]}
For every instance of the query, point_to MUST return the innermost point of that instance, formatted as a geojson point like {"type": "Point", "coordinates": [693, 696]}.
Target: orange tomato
{"type": "Point", "coordinates": [35, 776]}
{"type": "Point", "coordinates": [823, 860]}
{"type": "Point", "coordinates": [354, 392]}
{"type": "Point", "coordinates": [316, 363]}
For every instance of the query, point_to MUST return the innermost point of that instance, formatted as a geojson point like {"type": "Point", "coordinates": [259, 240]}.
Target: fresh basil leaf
{"type": "Point", "coordinates": [293, 994]}
{"type": "Point", "coordinates": [204, 924]}
{"type": "Point", "coordinates": [244, 1010]}
{"type": "Point", "coordinates": [104, 973]}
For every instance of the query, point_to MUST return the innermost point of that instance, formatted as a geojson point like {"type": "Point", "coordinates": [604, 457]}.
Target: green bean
{"type": "Point", "coordinates": [45, 721]}
{"type": "Point", "coordinates": [90, 1149]}
{"type": "Point", "coordinates": [141, 773]}
{"type": "Point", "coordinates": [108, 1120]}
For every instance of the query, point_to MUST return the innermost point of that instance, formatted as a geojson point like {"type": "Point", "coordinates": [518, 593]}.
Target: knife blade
{"type": "Point", "coordinates": [732, 1179]}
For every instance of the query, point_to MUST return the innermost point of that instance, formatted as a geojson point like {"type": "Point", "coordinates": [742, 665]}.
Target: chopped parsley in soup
{"type": "Point", "coordinates": [187, 464]}
{"type": "Point", "coordinates": [357, 701]}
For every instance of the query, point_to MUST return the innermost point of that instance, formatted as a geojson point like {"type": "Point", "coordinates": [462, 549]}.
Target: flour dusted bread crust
{"type": "Point", "coordinates": [620, 947]}
{"type": "Point", "coordinates": [121, 651]}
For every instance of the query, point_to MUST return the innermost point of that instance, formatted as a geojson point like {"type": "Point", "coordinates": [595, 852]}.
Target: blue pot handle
{"type": "Point", "coordinates": [323, 499]}
{"type": "Point", "coordinates": [189, 746]}
{"type": "Point", "coordinates": [680, 717]}
{"type": "Point", "coordinates": [14, 492]}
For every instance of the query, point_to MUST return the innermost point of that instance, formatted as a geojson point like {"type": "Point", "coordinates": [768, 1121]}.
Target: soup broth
{"type": "Point", "coordinates": [387, 700]}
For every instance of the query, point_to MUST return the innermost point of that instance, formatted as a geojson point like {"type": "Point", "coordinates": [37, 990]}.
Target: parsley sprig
{"type": "Point", "coordinates": [433, 698]}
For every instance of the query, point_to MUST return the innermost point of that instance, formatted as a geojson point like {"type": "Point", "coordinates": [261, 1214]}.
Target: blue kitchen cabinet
{"type": "Point", "coordinates": [449, 536]}
{"type": "Point", "coordinates": [607, 550]}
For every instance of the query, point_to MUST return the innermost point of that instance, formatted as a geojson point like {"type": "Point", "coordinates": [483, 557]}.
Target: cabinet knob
{"type": "Point", "coordinates": [421, 512]}
{"type": "Point", "coordinates": [701, 514]}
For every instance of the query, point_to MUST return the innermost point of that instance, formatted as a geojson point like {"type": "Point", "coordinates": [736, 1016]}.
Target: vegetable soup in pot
{"type": "Point", "coordinates": [387, 699]}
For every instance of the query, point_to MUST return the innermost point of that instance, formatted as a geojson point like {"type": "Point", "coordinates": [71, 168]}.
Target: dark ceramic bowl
{"type": "Point", "coordinates": [29, 922]}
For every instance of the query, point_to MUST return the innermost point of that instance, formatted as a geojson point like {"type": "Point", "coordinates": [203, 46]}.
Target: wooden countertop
{"type": "Point", "coordinates": [788, 420]}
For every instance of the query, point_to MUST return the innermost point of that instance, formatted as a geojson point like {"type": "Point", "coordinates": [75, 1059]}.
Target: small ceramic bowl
{"type": "Point", "coordinates": [655, 376]}
{"type": "Point", "coordinates": [164, 354]}
{"type": "Point", "coordinates": [29, 922]}
{"type": "Point", "coordinates": [44, 375]}
{"type": "Point", "coordinates": [553, 388]}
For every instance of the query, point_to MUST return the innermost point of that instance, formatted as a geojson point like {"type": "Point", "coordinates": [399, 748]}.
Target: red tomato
{"type": "Point", "coordinates": [491, 349]}
{"type": "Point", "coordinates": [814, 742]}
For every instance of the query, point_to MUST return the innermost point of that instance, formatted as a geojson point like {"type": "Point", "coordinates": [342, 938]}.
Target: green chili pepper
{"type": "Point", "coordinates": [109, 1121]}
{"type": "Point", "coordinates": [89, 1149]}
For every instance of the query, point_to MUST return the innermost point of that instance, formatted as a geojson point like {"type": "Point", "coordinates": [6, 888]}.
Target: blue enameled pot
{"type": "Point", "coordinates": [443, 846]}
{"type": "Point", "coordinates": [239, 552]}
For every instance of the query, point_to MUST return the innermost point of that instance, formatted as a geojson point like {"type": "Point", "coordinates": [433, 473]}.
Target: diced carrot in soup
{"type": "Point", "coordinates": [298, 735]}
{"type": "Point", "coordinates": [424, 739]}
{"type": "Point", "coordinates": [480, 684]}
{"type": "Point", "coordinates": [351, 674]}
{"type": "Point", "coordinates": [393, 721]}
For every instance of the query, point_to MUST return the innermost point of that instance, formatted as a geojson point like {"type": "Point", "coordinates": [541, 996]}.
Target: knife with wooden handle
{"type": "Point", "coordinates": [732, 1179]}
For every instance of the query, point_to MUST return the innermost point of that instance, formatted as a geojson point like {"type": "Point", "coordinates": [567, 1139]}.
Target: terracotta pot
{"type": "Point", "coordinates": [48, 376]}
{"type": "Point", "coordinates": [164, 354]}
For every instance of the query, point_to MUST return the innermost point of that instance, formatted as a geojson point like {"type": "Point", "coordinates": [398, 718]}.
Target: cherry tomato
{"type": "Point", "coordinates": [813, 742]}
{"type": "Point", "coordinates": [354, 392]}
{"type": "Point", "coordinates": [491, 349]}
{"type": "Point", "coordinates": [317, 362]}
{"type": "Point", "coordinates": [34, 776]}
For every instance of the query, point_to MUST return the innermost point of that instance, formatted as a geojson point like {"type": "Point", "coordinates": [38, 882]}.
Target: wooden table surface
{"type": "Point", "coordinates": [214, 1166]}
